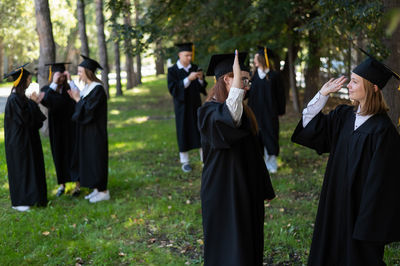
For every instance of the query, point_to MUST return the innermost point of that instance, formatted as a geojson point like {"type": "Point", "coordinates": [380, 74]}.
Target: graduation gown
{"type": "Point", "coordinates": [91, 139]}
{"type": "Point", "coordinates": [266, 98]}
{"type": "Point", "coordinates": [62, 132]}
{"type": "Point", "coordinates": [186, 103]}
{"type": "Point", "coordinates": [359, 201]}
{"type": "Point", "coordinates": [24, 155]}
{"type": "Point", "coordinates": [235, 183]}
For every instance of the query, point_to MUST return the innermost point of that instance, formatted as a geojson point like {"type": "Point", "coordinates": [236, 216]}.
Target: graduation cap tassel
{"type": "Point", "coordinates": [16, 82]}
{"type": "Point", "coordinates": [49, 73]}
{"type": "Point", "coordinates": [266, 57]}
{"type": "Point", "coordinates": [398, 123]}
{"type": "Point", "coordinates": [192, 52]}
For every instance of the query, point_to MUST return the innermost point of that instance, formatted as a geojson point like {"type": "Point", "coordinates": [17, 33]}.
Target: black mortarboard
{"type": "Point", "coordinates": [220, 64]}
{"type": "Point", "coordinates": [374, 71]}
{"type": "Point", "coordinates": [185, 47]}
{"type": "Point", "coordinates": [56, 67]}
{"type": "Point", "coordinates": [90, 64]}
{"type": "Point", "coordinates": [19, 74]}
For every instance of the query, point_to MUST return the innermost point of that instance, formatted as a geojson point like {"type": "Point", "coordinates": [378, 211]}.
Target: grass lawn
{"type": "Point", "coordinates": [154, 215]}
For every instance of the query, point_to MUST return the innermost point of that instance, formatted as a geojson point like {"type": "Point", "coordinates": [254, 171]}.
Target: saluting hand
{"type": "Point", "coordinates": [333, 85]}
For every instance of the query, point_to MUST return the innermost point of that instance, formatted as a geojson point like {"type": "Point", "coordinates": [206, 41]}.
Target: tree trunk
{"type": "Point", "coordinates": [292, 79]}
{"type": "Point", "coordinates": [286, 71]}
{"type": "Point", "coordinates": [47, 48]}
{"type": "Point", "coordinates": [80, 11]}
{"type": "Point", "coordinates": [138, 58]}
{"type": "Point", "coordinates": [117, 61]}
{"type": "Point", "coordinates": [159, 59]}
{"type": "Point", "coordinates": [311, 75]}
{"type": "Point", "coordinates": [391, 92]}
{"type": "Point", "coordinates": [130, 73]}
{"type": "Point", "coordinates": [1, 59]}
{"type": "Point", "coordinates": [102, 45]}
{"type": "Point", "coordinates": [70, 44]}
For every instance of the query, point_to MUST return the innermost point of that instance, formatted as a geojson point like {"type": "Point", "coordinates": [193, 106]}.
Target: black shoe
{"type": "Point", "coordinates": [60, 191]}
{"type": "Point", "coordinates": [186, 168]}
{"type": "Point", "coordinates": [76, 192]}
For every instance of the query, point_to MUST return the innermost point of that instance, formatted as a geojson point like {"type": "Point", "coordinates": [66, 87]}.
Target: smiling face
{"type": "Point", "coordinates": [356, 88]}
{"type": "Point", "coordinates": [82, 74]}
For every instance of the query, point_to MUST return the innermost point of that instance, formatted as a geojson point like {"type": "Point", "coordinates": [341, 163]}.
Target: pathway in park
{"type": "Point", "coordinates": [4, 92]}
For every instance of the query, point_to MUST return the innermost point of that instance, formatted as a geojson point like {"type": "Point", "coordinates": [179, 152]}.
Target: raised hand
{"type": "Point", "coordinates": [333, 85]}
{"type": "Point", "coordinates": [56, 76]}
{"type": "Point", "coordinates": [237, 73]}
{"type": "Point", "coordinates": [67, 74]}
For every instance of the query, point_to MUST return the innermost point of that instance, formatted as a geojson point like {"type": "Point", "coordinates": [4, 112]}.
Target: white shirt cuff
{"type": "Point", "coordinates": [72, 85]}
{"type": "Point", "coordinates": [235, 105]}
{"type": "Point", "coordinates": [53, 86]}
{"type": "Point", "coordinates": [186, 82]}
{"type": "Point", "coordinates": [201, 82]}
{"type": "Point", "coordinates": [314, 107]}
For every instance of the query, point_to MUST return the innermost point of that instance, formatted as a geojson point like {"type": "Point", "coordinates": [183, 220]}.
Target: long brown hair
{"type": "Point", "coordinates": [219, 94]}
{"type": "Point", "coordinates": [91, 76]}
{"type": "Point", "coordinates": [374, 102]}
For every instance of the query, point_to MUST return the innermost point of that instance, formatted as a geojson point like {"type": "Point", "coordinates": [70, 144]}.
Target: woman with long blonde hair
{"type": "Point", "coordinates": [359, 211]}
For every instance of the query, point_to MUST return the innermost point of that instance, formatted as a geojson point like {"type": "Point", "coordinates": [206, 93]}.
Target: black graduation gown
{"type": "Point", "coordinates": [234, 184]}
{"type": "Point", "coordinates": [62, 132]}
{"type": "Point", "coordinates": [91, 140]}
{"type": "Point", "coordinates": [186, 103]}
{"type": "Point", "coordinates": [24, 155]}
{"type": "Point", "coordinates": [359, 201]}
{"type": "Point", "coordinates": [267, 100]}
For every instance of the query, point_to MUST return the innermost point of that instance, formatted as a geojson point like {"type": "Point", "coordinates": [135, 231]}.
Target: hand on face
{"type": "Point", "coordinates": [56, 76]}
{"type": "Point", "coordinates": [333, 85]}
{"type": "Point", "coordinates": [67, 74]}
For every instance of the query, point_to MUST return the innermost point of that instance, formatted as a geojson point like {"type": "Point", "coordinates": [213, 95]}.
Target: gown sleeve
{"type": "Point", "coordinates": [85, 109]}
{"type": "Point", "coordinates": [277, 84]}
{"type": "Point", "coordinates": [36, 116]}
{"type": "Point", "coordinates": [175, 85]}
{"type": "Point", "coordinates": [378, 218]}
{"type": "Point", "coordinates": [217, 126]}
{"type": "Point", "coordinates": [322, 131]}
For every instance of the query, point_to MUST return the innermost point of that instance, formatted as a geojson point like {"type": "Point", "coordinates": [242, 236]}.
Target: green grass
{"type": "Point", "coordinates": [154, 215]}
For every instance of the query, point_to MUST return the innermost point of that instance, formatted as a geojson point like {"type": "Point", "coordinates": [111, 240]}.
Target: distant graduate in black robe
{"type": "Point", "coordinates": [90, 117]}
{"type": "Point", "coordinates": [267, 100]}
{"type": "Point", "coordinates": [24, 155]}
{"type": "Point", "coordinates": [235, 181]}
{"type": "Point", "coordinates": [185, 83]}
{"type": "Point", "coordinates": [359, 209]}
{"type": "Point", "coordinates": [61, 127]}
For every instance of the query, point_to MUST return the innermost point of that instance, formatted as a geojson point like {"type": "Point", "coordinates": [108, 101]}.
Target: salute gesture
{"type": "Point", "coordinates": [333, 85]}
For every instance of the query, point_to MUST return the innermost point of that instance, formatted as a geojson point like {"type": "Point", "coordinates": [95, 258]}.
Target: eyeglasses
{"type": "Point", "coordinates": [246, 82]}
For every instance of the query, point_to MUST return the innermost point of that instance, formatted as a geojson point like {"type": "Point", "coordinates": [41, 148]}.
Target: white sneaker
{"type": "Point", "coordinates": [94, 192]}
{"type": "Point", "coordinates": [100, 196]}
{"type": "Point", "coordinates": [21, 208]}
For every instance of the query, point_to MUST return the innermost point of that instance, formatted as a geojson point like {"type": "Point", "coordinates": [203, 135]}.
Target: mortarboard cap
{"type": "Point", "coordinates": [56, 67]}
{"type": "Point", "coordinates": [188, 46]}
{"type": "Point", "coordinates": [18, 75]}
{"type": "Point", "coordinates": [374, 71]}
{"type": "Point", "coordinates": [90, 64]}
{"type": "Point", "coordinates": [220, 64]}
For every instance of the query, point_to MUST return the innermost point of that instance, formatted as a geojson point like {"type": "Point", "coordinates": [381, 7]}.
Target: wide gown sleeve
{"type": "Point", "coordinates": [85, 109]}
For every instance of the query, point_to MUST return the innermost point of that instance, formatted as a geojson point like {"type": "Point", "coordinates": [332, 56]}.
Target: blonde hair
{"type": "Point", "coordinates": [374, 102]}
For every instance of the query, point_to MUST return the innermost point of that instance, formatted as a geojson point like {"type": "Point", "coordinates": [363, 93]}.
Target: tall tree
{"type": "Point", "coordinates": [47, 47]}
{"type": "Point", "coordinates": [159, 58]}
{"type": "Point", "coordinates": [116, 53]}
{"type": "Point", "coordinates": [392, 41]}
{"type": "Point", "coordinates": [80, 11]}
{"type": "Point", "coordinates": [102, 44]}
{"type": "Point", "coordinates": [138, 57]}
{"type": "Point", "coordinates": [46, 40]}
{"type": "Point", "coordinates": [130, 72]}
